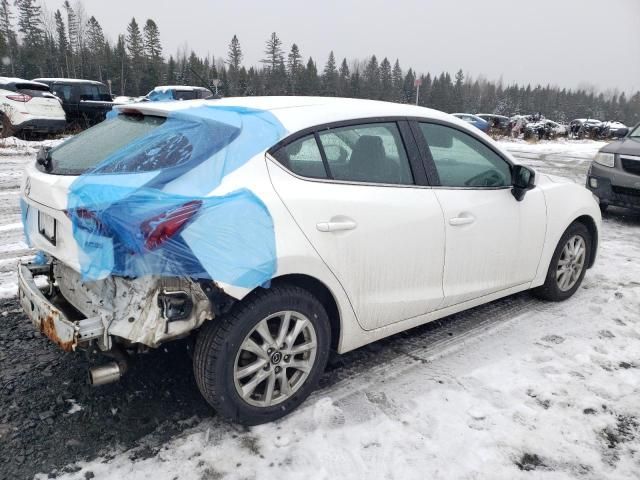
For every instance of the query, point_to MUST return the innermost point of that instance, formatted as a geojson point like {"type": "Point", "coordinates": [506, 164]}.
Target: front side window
{"type": "Point", "coordinates": [372, 153]}
{"type": "Point", "coordinates": [463, 161]}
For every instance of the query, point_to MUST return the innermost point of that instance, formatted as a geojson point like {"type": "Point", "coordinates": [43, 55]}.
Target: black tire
{"type": "Point", "coordinates": [550, 290]}
{"type": "Point", "coordinates": [220, 340]}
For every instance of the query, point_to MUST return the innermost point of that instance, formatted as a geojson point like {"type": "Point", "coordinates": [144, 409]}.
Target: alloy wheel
{"type": "Point", "coordinates": [275, 359]}
{"type": "Point", "coordinates": [571, 263]}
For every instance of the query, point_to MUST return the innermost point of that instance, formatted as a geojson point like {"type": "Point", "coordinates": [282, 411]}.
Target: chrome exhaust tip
{"type": "Point", "coordinates": [104, 374]}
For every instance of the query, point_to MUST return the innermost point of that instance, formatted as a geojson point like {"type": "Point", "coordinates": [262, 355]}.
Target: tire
{"type": "Point", "coordinates": [224, 348]}
{"type": "Point", "coordinates": [7, 129]}
{"type": "Point", "coordinates": [553, 288]}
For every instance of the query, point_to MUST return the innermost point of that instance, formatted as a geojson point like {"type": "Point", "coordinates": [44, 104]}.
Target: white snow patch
{"type": "Point", "coordinates": [74, 407]}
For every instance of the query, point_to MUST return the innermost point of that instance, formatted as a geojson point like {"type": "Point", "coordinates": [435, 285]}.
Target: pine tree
{"type": "Point", "coordinates": [397, 80]}
{"type": "Point", "coordinates": [135, 47]}
{"type": "Point", "coordinates": [386, 80]}
{"type": "Point", "coordinates": [63, 44]}
{"type": "Point", "coordinates": [275, 70]}
{"type": "Point", "coordinates": [72, 29]}
{"type": "Point", "coordinates": [9, 38]}
{"type": "Point", "coordinates": [330, 77]}
{"type": "Point", "coordinates": [153, 55]}
{"type": "Point", "coordinates": [311, 83]}
{"type": "Point", "coordinates": [152, 44]}
{"type": "Point", "coordinates": [408, 87]}
{"type": "Point", "coordinates": [30, 26]}
{"type": "Point", "coordinates": [343, 79]}
{"type": "Point", "coordinates": [234, 61]}
{"type": "Point", "coordinates": [458, 103]}
{"type": "Point", "coordinates": [295, 68]}
{"type": "Point", "coordinates": [371, 76]}
{"type": "Point", "coordinates": [121, 66]}
{"type": "Point", "coordinates": [273, 52]}
{"type": "Point", "coordinates": [95, 48]}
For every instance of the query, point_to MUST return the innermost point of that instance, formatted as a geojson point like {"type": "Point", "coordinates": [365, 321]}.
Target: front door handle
{"type": "Point", "coordinates": [336, 226]}
{"type": "Point", "coordinates": [457, 221]}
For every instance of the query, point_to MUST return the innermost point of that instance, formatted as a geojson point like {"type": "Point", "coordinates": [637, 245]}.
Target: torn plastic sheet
{"type": "Point", "coordinates": [150, 207]}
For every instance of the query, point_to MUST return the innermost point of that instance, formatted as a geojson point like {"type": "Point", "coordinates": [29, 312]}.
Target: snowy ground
{"type": "Point", "coordinates": [515, 389]}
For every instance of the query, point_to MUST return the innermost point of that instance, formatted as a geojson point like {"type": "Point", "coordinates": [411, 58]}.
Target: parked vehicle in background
{"type": "Point", "coordinates": [169, 93]}
{"type": "Point", "coordinates": [86, 102]}
{"type": "Point", "coordinates": [29, 107]}
{"type": "Point", "coordinates": [498, 124]}
{"type": "Point", "coordinates": [259, 222]}
{"type": "Point", "coordinates": [544, 129]}
{"type": "Point", "coordinates": [614, 175]}
{"type": "Point", "coordinates": [585, 128]}
{"type": "Point", "coordinates": [474, 120]}
{"type": "Point", "coordinates": [613, 129]}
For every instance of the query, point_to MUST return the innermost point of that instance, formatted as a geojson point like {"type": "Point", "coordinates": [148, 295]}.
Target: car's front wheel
{"type": "Point", "coordinates": [568, 264]}
{"type": "Point", "coordinates": [265, 357]}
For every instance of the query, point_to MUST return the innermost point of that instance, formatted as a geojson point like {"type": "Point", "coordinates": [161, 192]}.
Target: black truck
{"type": "Point", "coordinates": [85, 102]}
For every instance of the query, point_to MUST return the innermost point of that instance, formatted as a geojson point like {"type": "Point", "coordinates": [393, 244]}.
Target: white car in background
{"type": "Point", "coordinates": [29, 107]}
{"type": "Point", "coordinates": [383, 217]}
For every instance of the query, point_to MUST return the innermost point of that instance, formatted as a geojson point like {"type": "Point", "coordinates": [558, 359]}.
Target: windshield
{"type": "Point", "coordinates": [88, 149]}
{"type": "Point", "coordinates": [636, 132]}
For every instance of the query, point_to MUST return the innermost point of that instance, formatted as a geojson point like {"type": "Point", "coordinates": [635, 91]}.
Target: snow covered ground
{"type": "Point", "coordinates": [515, 389]}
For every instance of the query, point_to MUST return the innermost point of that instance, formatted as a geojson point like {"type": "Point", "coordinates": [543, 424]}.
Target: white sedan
{"type": "Point", "coordinates": [279, 228]}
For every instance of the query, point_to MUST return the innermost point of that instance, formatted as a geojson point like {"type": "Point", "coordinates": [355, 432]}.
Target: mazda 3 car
{"type": "Point", "coordinates": [276, 229]}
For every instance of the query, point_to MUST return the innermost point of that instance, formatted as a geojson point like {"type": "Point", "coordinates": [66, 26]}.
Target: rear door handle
{"type": "Point", "coordinates": [336, 226]}
{"type": "Point", "coordinates": [457, 221]}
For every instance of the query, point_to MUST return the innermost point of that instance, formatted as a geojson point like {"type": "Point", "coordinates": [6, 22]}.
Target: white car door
{"type": "Point", "coordinates": [355, 198]}
{"type": "Point", "coordinates": [493, 241]}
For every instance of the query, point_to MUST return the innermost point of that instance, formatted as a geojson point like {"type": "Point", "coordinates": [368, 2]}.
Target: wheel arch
{"type": "Point", "coordinates": [590, 223]}
{"type": "Point", "coordinates": [324, 295]}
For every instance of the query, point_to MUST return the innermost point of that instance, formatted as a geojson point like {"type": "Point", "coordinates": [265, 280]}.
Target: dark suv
{"type": "Point", "coordinates": [614, 175]}
{"type": "Point", "coordinates": [86, 102]}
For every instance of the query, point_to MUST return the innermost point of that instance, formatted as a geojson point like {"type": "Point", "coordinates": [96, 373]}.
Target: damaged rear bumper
{"type": "Point", "coordinates": [51, 320]}
{"type": "Point", "coordinates": [147, 311]}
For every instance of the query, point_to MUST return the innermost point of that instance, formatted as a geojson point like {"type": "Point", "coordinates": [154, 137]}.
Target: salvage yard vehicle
{"type": "Point", "coordinates": [614, 174]}
{"type": "Point", "coordinates": [86, 102]}
{"type": "Point", "coordinates": [498, 124]}
{"type": "Point", "coordinates": [544, 129]}
{"type": "Point", "coordinates": [176, 92]}
{"type": "Point", "coordinates": [278, 228]}
{"type": "Point", "coordinates": [480, 123]}
{"type": "Point", "coordinates": [29, 107]}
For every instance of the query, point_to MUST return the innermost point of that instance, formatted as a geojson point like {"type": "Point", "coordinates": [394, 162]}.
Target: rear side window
{"type": "Point", "coordinates": [185, 94]}
{"type": "Point", "coordinates": [463, 161]}
{"type": "Point", "coordinates": [63, 91]}
{"type": "Point", "coordinates": [86, 150]}
{"type": "Point", "coordinates": [369, 153]}
{"type": "Point", "coordinates": [302, 157]}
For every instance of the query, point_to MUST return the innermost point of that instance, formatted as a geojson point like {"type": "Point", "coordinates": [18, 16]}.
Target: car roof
{"type": "Point", "coordinates": [69, 80]}
{"type": "Point", "coordinates": [298, 113]}
{"type": "Point", "coordinates": [186, 88]}
{"type": "Point", "coordinates": [12, 81]}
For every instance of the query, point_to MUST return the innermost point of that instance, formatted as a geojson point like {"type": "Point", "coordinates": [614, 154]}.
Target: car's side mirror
{"type": "Point", "coordinates": [621, 132]}
{"type": "Point", "coordinates": [523, 179]}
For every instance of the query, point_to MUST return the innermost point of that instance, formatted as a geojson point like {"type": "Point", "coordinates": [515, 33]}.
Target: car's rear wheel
{"type": "Point", "coordinates": [568, 264]}
{"type": "Point", "coordinates": [265, 357]}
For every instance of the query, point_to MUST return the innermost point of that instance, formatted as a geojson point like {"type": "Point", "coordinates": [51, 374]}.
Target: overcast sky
{"type": "Point", "coordinates": [563, 42]}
